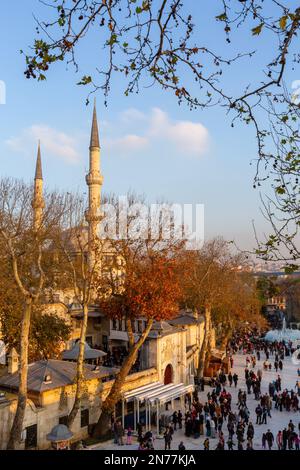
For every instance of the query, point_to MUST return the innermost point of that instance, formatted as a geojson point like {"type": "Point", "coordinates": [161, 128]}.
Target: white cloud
{"type": "Point", "coordinates": [128, 143]}
{"type": "Point", "coordinates": [188, 136]}
{"type": "Point", "coordinates": [134, 132]}
{"type": "Point", "coordinates": [132, 114]}
{"type": "Point", "coordinates": [53, 141]}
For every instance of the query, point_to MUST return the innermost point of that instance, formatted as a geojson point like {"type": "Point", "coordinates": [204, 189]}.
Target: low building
{"type": "Point", "coordinates": [51, 393]}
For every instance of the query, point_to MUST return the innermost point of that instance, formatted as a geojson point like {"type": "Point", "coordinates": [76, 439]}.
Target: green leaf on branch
{"type": "Point", "coordinates": [86, 79]}
{"type": "Point", "coordinates": [291, 268]}
{"type": "Point", "coordinates": [280, 190]}
{"type": "Point", "coordinates": [222, 17]}
{"type": "Point", "coordinates": [112, 40]}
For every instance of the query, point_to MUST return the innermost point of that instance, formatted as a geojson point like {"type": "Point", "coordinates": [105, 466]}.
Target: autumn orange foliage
{"type": "Point", "coordinates": [150, 289]}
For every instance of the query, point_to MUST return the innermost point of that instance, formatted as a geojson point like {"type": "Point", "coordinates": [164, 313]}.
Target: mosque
{"type": "Point", "coordinates": [167, 363]}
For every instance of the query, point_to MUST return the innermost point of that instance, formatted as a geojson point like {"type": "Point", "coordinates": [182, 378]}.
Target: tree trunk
{"type": "Point", "coordinates": [103, 426]}
{"type": "Point", "coordinates": [209, 348]}
{"type": "Point", "coordinates": [204, 346]}
{"type": "Point", "coordinates": [17, 427]}
{"type": "Point", "coordinates": [80, 367]}
{"type": "Point", "coordinates": [225, 339]}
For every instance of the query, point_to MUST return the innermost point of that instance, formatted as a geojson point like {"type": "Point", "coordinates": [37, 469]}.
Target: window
{"type": "Point", "coordinates": [105, 342]}
{"type": "Point", "coordinates": [31, 437]}
{"type": "Point", "coordinates": [85, 418]}
{"type": "Point", "coordinates": [63, 420]}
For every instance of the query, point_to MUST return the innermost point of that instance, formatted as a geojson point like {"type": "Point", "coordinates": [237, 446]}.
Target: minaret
{"type": "Point", "coordinates": [38, 203]}
{"type": "Point", "coordinates": [94, 181]}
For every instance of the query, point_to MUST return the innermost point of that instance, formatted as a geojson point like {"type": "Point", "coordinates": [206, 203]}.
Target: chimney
{"type": "Point", "coordinates": [13, 361]}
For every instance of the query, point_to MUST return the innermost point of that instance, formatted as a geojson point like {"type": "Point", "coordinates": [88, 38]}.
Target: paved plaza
{"type": "Point", "coordinates": [278, 421]}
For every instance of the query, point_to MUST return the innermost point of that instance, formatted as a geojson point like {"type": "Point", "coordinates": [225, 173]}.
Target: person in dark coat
{"type": "Point", "coordinates": [235, 379]}
{"type": "Point", "coordinates": [168, 439]}
{"type": "Point", "coordinates": [208, 428]}
{"type": "Point", "coordinates": [270, 439]}
{"type": "Point", "coordinates": [179, 416]}
{"type": "Point", "coordinates": [284, 438]}
{"type": "Point", "coordinates": [181, 446]}
{"type": "Point", "coordinates": [175, 419]}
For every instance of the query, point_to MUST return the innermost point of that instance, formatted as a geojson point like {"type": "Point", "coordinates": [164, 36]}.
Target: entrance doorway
{"type": "Point", "coordinates": [168, 376]}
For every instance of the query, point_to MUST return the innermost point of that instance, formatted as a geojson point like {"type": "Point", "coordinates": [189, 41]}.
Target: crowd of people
{"type": "Point", "coordinates": [220, 415]}
{"type": "Point", "coordinates": [116, 357]}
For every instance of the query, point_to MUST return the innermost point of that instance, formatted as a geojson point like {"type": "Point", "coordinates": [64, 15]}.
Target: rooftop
{"type": "Point", "coordinates": [186, 319]}
{"type": "Point", "coordinates": [50, 374]}
{"type": "Point", "coordinates": [161, 328]}
{"type": "Point", "coordinates": [89, 353]}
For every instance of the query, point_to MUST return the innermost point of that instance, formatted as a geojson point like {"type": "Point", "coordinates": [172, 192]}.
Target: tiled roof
{"type": "Point", "coordinates": [62, 373]}
{"type": "Point", "coordinates": [89, 353]}
{"type": "Point", "coordinates": [161, 328]}
{"type": "Point", "coordinates": [186, 319]}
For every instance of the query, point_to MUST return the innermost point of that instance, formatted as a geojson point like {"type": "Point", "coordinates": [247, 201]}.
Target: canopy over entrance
{"type": "Point", "coordinates": [153, 396]}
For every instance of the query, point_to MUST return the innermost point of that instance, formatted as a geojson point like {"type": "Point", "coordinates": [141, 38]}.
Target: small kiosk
{"type": "Point", "coordinates": [60, 437]}
{"type": "Point", "coordinates": [217, 361]}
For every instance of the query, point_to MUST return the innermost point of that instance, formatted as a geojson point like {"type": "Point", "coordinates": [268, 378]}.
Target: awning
{"type": "Point", "coordinates": [155, 394]}
{"type": "Point", "coordinates": [128, 396]}
{"type": "Point", "coordinates": [167, 395]}
{"type": "Point", "coordinates": [89, 353]}
{"type": "Point", "coordinates": [158, 392]}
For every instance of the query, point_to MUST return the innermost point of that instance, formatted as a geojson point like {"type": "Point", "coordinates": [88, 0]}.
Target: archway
{"type": "Point", "coordinates": [168, 376]}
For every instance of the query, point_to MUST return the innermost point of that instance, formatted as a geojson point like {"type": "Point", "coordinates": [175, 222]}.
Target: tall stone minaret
{"type": "Point", "coordinates": [94, 180]}
{"type": "Point", "coordinates": [38, 203]}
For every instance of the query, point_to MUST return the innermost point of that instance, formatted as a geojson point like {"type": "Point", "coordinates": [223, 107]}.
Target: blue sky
{"type": "Point", "coordinates": [149, 143]}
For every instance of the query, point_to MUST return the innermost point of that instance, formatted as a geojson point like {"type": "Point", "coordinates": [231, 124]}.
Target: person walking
{"type": "Point", "coordinates": [115, 431]}
{"type": "Point", "coordinates": [263, 441]}
{"type": "Point", "coordinates": [230, 444]}
{"type": "Point", "coordinates": [208, 428]}
{"type": "Point", "coordinates": [129, 437]}
{"type": "Point", "coordinates": [175, 420]}
{"type": "Point", "coordinates": [120, 433]}
{"type": "Point", "coordinates": [212, 429]}
{"type": "Point", "coordinates": [250, 432]}
{"type": "Point", "coordinates": [206, 444]}
{"type": "Point", "coordinates": [270, 439]}
{"type": "Point", "coordinates": [235, 379]}
{"type": "Point", "coordinates": [181, 446]}
{"type": "Point", "coordinates": [258, 411]}
{"type": "Point", "coordinates": [284, 439]}
{"type": "Point", "coordinates": [279, 440]}
{"type": "Point", "coordinates": [179, 417]}
{"type": "Point", "coordinates": [264, 415]}
{"type": "Point", "coordinates": [168, 439]}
